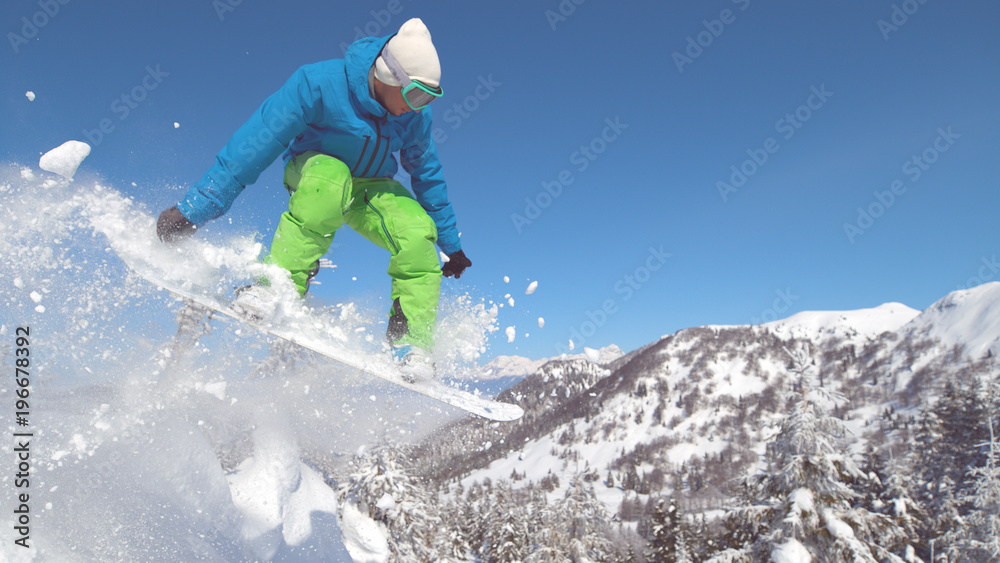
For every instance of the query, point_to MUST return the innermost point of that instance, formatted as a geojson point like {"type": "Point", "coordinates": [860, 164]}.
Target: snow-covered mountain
{"type": "Point", "coordinates": [968, 318]}
{"type": "Point", "coordinates": [859, 327]}
{"type": "Point", "coordinates": [519, 367]}
{"type": "Point", "coordinates": [692, 411]}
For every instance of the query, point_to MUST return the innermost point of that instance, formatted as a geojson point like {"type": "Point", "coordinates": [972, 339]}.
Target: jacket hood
{"type": "Point", "coordinates": [358, 62]}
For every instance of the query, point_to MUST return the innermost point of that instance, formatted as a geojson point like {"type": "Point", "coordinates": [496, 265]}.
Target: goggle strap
{"type": "Point", "coordinates": [394, 67]}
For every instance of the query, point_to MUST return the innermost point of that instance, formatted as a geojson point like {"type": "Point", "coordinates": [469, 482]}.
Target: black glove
{"type": "Point", "coordinates": [172, 226]}
{"type": "Point", "coordinates": [456, 264]}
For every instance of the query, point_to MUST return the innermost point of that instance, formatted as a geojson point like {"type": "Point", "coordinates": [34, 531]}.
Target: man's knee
{"type": "Point", "coordinates": [321, 194]}
{"type": "Point", "coordinates": [416, 244]}
{"type": "Point", "coordinates": [326, 166]}
{"type": "Point", "coordinates": [314, 165]}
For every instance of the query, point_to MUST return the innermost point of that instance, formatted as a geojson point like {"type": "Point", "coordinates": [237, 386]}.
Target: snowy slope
{"type": "Point", "coordinates": [970, 318]}
{"type": "Point", "coordinates": [859, 326]}
{"type": "Point", "coordinates": [708, 395]}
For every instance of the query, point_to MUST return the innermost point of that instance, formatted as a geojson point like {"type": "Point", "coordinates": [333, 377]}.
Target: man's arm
{"type": "Point", "coordinates": [255, 145]}
{"type": "Point", "coordinates": [420, 159]}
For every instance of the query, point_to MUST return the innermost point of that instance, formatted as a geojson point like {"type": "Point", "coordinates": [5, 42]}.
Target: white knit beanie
{"type": "Point", "coordinates": [413, 49]}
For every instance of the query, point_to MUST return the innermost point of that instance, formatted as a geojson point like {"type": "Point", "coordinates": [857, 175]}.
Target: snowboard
{"type": "Point", "coordinates": [381, 368]}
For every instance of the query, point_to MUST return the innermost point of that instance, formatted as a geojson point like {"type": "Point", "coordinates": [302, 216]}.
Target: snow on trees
{"type": "Point", "coordinates": [803, 501]}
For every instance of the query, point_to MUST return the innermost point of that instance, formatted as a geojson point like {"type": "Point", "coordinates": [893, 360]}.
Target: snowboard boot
{"type": "Point", "coordinates": [415, 364]}
{"type": "Point", "coordinates": [257, 303]}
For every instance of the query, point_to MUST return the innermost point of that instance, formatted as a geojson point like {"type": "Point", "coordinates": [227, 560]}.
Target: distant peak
{"type": "Point", "coordinates": [969, 317]}
{"type": "Point", "coordinates": [863, 323]}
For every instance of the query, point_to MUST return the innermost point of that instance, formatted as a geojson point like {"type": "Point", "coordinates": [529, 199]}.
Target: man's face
{"type": "Point", "coordinates": [391, 98]}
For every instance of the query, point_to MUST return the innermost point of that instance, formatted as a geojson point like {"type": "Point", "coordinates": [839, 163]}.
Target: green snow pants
{"type": "Point", "coordinates": [324, 196]}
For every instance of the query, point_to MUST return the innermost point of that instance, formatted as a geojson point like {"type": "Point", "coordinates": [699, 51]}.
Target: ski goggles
{"type": "Point", "coordinates": [417, 94]}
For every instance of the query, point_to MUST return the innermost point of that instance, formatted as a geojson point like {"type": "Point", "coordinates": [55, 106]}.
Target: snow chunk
{"type": "Point", "coordinates": [593, 355]}
{"type": "Point", "coordinates": [363, 538]}
{"type": "Point", "coordinates": [386, 502]}
{"type": "Point", "coordinates": [802, 501]}
{"type": "Point", "coordinates": [838, 528]}
{"type": "Point", "coordinates": [791, 552]}
{"type": "Point", "coordinates": [65, 159]}
{"type": "Point", "coordinates": [30, 95]}
{"type": "Point", "coordinates": [27, 173]}
{"type": "Point", "coordinates": [284, 502]}
{"type": "Point", "coordinates": [506, 279]}
{"type": "Point", "coordinates": [531, 288]}
{"type": "Point", "coordinates": [802, 504]}
{"type": "Point", "coordinates": [511, 333]}
{"type": "Point", "coordinates": [176, 125]}
{"type": "Point", "coordinates": [217, 389]}
{"type": "Point", "coordinates": [541, 322]}
{"type": "Point", "coordinates": [36, 297]}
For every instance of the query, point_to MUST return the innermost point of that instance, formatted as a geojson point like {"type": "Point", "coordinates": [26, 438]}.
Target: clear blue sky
{"type": "Point", "coordinates": [656, 118]}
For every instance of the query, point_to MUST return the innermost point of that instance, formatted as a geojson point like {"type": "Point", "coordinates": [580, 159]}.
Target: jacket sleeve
{"type": "Point", "coordinates": [255, 145]}
{"type": "Point", "coordinates": [420, 159]}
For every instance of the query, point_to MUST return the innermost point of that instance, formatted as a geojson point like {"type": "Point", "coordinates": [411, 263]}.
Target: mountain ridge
{"type": "Point", "coordinates": [704, 398]}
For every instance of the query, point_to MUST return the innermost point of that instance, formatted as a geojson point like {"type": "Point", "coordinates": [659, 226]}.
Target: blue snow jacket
{"type": "Point", "coordinates": [327, 107]}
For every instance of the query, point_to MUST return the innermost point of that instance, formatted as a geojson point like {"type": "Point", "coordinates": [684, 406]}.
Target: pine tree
{"type": "Point", "coordinates": [803, 502]}
{"type": "Point", "coordinates": [631, 480]}
{"type": "Point", "coordinates": [505, 532]}
{"type": "Point", "coordinates": [947, 447]}
{"type": "Point", "coordinates": [886, 490]}
{"type": "Point", "coordinates": [661, 541]}
{"type": "Point", "coordinates": [382, 489]}
{"type": "Point", "coordinates": [453, 541]}
{"type": "Point", "coordinates": [701, 544]}
{"type": "Point", "coordinates": [979, 538]}
{"type": "Point", "coordinates": [576, 528]}
{"type": "Point", "coordinates": [669, 540]}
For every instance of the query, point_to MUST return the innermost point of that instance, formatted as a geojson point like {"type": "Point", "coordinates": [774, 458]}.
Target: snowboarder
{"type": "Point", "coordinates": [339, 124]}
